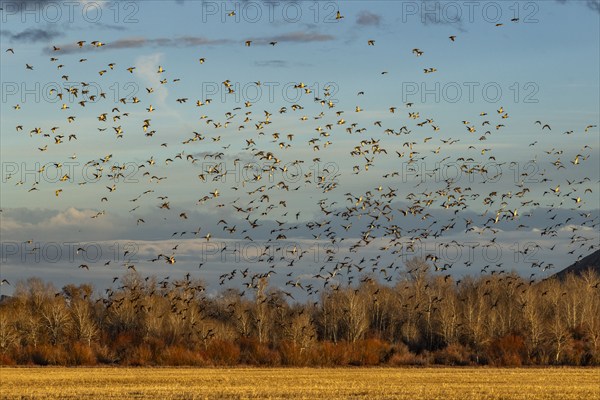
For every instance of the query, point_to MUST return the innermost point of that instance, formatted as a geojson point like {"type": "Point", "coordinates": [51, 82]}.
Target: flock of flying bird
{"type": "Point", "coordinates": [390, 219]}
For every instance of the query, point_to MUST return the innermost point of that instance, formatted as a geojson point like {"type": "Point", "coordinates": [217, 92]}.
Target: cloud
{"type": "Point", "coordinates": [591, 4]}
{"type": "Point", "coordinates": [280, 63]}
{"type": "Point", "coordinates": [303, 37]}
{"type": "Point", "coordinates": [138, 42]}
{"type": "Point", "coordinates": [594, 5]}
{"type": "Point", "coordinates": [294, 37]}
{"type": "Point", "coordinates": [146, 67]}
{"type": "Point", "coordinates": [431, 12]}
{"type": "Point", "coordinates": [25, 224]}
{"type": "Point", "coordinates": [272, 63]}
{"type": "Point", "coordinates": [191, 41]}
{"type": "Point", "coordinates": [56, 235]}
{"type": "Point", "coordinates": [367, 18]}
{"type": "Point", "coordinates": [32, 35]}
{"type": "Point", "coordinates": [18, 4]}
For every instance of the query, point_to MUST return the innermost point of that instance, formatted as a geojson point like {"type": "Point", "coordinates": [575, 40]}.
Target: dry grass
{"type": "Point", "coordinates": [280, 383]}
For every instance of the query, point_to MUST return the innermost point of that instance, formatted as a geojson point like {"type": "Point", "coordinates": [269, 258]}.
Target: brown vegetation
{"type": "Point", "coordinates": [500, 320]}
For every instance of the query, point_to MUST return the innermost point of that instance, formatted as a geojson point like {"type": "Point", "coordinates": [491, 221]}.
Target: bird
{"type": "Point", "coordinates": [168, 259]}
{"type": "Point", "coordinates": [263, 163]}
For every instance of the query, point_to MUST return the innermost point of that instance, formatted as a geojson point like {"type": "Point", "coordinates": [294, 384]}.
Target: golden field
{"type": "Point", "coordinates": [300, 383]}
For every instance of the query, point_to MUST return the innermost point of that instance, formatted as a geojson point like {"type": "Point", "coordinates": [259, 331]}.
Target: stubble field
{"type": "Point", "coordinates": [309, 383]}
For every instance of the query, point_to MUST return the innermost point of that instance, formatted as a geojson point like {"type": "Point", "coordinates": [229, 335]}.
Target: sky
{"type": "Point", "coordinates": [295, 102]}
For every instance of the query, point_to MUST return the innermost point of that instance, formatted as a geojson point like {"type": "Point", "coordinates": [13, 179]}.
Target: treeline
{"type": "Point", "coordinates": [499, 319]}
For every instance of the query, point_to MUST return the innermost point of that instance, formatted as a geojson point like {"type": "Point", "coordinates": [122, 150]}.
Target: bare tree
{"type": "Point", "coordinates": [354, 314]}
{"type": "Point", "coordinates": [557, 318]}
{"type": "Point", "coordinates": [260, 311]}
{"type": "Point", "coordinates": [55, 320]}
{"type": "Point", "coordinates": [9, 335]}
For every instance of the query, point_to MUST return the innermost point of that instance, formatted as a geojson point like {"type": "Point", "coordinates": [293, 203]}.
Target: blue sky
{"type": "Point", "coordinates": [542, 67]}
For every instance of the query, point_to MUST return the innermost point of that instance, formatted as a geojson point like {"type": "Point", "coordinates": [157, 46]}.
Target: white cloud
{"type": "Point", "coordinates": [147, 68]}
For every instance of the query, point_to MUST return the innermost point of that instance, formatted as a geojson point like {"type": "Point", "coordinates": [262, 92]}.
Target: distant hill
{"type": "Point", "coordinates": [592, 261]}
